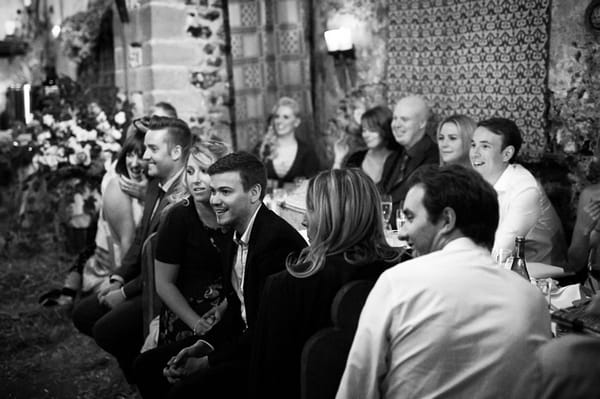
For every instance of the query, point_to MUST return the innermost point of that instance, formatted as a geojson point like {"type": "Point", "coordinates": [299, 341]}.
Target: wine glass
{"type": "Point", "coordinates": [386, 210]}
{"type": "Point", "coordinates": [400, 216]}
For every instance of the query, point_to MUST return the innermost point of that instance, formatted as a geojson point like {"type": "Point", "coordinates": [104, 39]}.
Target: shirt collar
{"type": "Point", "coordinates": [245, 238]}
{"type": "Point", "coordinates": [419, 148]}
{"type": "Point", "coordinates": [505, 178]}
{"type": "Point", "coordinates": [167, 185]}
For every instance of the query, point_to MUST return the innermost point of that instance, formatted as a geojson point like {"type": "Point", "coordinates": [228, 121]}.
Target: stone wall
{"type": "Point", "coordinates": [174, 51]}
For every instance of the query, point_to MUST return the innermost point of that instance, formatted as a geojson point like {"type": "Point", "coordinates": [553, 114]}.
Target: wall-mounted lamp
{"type": "Point", "coordinates": [55, 31]}
{"type": "Point", "coordinates": [340, 46]}
{"type": "Point", "coordinates": [10, 27]}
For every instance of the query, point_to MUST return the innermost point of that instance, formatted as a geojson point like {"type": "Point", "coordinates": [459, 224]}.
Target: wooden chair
{"type": "Point", "coordinates": [324, 355]}
{"type": "Point", "coordinates": [150, 300]}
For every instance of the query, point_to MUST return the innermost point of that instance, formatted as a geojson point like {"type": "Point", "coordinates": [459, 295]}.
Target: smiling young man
{"type": "Point", "coordinates": [114, 317]}
{"type": "Point", "coordinates": [449, 323]}
{"type": "Point", "coordinates": [259, 245]}
{"type": "Point", "coordinates": [525, 210]}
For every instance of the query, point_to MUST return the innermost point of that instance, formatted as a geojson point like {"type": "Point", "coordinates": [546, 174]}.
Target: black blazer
{"type": "Point", "coordinates": [272, 239]}
{"type": "Point", "coordinates": [130, 268]}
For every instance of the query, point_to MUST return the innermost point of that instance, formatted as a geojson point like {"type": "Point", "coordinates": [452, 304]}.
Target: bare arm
{"type": "Point", "coordinates": [588, 216]}
{"type": "Point", "coordinates": [166, 279]}
{"type": "Point", "coordinates": [118, 212]}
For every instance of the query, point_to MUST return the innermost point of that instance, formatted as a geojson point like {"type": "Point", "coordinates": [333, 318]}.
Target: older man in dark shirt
{"type": "Point", "coordinates": [409, 127]}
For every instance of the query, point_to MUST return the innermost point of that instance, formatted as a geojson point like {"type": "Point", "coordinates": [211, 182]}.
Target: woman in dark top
{"type": "Point", "coordinates": [380, 158]}
{"type": "Point", "coordinates": [187, 268]}
{"type": "Point", "coordinates": [347, 243]}
{"type": "Point", "coordinates": [284, 156]}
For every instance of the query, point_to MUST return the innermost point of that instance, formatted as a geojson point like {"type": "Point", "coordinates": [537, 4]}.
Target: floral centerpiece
{"type": "Point", "coordinates": [58, 162]}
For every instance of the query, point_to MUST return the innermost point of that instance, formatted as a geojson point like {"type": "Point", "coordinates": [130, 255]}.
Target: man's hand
{"type": "Point", "coordinates": [189, 360]}
{"type": "Point", "coordinates": [113, 298]}
{"type": "Point", "coordinates": [136, 189]}
{"type": "Point", "coordinates": [176, 372]}
{"type": "Point", "coordinates": [340, 150]}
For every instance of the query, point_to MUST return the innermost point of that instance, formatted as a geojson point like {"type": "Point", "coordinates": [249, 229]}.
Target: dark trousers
{"type": "Point", "coordinates": [118, 331]}
{"type": "Point", "coordinates": [224, 381]}
{"type": "Point", "coordinates": [148, 368]}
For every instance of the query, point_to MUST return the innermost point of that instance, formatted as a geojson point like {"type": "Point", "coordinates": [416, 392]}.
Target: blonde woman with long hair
{"type": "Point", "coordinates": [454, 134]}
{"type": "Point", "coordinates": [347, 243]}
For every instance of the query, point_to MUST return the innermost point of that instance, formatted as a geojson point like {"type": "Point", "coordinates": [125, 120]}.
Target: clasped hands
{"type": "Point", "coordinates": [194, 358]}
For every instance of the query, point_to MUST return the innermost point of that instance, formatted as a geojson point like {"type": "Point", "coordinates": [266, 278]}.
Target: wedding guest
{"type": "Point", "coordinates": [525, 210]}
{"type": "Point", "coordinates": [285, 156]}
{"type": "Point", "coordinates": [440, 325]}
{"type": "Point", "coordinates": [347, 243]}
{"type": "Point", "coordinates": [187, 270]}
{"type": "Point", "coordinates": [377, 161]}
{"type": "Point", "coordinates": [259, 246]}
{"type": "Point", "coordinates": [409, 128]}
{"type": "Point", "coordinates": [163, 108]}
{"type": "Point", "coordinates": [564, 368]}
{"type": "Point", "coordinates": [586, 233]}
{"type": "Point", "coordinates": [120, 215]}
{"type": "Point", "coordinates": [114, 317]}
{"type": "Point", "coordinates": [132, 187]}
{"type": "Point", "coordinates": [454, 134]}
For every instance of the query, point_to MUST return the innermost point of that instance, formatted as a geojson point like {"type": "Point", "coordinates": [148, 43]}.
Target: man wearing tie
{"type": "Point", "coordinates": [114, 317]}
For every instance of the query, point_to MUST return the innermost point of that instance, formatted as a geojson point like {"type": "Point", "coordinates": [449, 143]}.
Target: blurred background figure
{"type": "Point", "coordinates": [119, 217]}
{"type": "Point", "coordinates": [377, 160]}
{"type": "Point", "coordinates": [285, 156]}
{"type": "Point", "coordinates": [454, 135]}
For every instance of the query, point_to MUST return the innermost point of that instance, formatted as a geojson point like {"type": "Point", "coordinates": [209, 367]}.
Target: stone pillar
{"type": "Point", "coordinates": [175, 52]}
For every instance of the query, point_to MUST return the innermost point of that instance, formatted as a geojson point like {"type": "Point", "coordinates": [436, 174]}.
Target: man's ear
{"type": "Point", "coordinates": [255, 192]}
{"type": "Point", "coordinates": [448, 220]}
{"type": "Point", "coordinates": [507, 153]}
{"type": "Point", "coordinates": [176, 153]}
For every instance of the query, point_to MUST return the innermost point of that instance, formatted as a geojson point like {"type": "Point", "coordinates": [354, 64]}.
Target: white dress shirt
{"type": "Point", "coordinates": [239, 265]}
{"type": "Point", "coordinates": [525, 210]}
{"type": "Point", "coordinates": [450, 324]}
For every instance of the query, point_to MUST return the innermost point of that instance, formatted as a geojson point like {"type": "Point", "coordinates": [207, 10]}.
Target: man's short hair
{"type": "Point", "coordinates": [252, 171]}
{"type": "Point", "coordinates": [168, 109]}
{"type": "Point", "coordinates": [178, 132]}
{"type": "Point", "coordinates": [507, 130]}
{"type": "Point", "coordinates": [473, 200]}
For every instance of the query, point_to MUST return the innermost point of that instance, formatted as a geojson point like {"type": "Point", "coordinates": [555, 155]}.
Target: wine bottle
{"type": "Point", "coordinates": [519, 265]}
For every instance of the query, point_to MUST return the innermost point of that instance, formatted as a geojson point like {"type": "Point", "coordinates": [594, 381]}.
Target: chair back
{"type": "Point", "coordinates": [324, 355]}
{"type": "Point", "coordinates": [151, 302]}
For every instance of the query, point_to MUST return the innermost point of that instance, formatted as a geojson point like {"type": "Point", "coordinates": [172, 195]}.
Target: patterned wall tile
{"type": "Point", "coordinates": [249, 13]}
{"type": "Point", "coordinates": [252, 76]}
{"type": "Point", "coordinates": [289, 41]}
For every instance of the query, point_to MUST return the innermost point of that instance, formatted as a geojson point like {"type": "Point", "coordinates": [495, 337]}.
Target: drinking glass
{"type": "Point", "coordinates": [400, 217]}
{"type": "Point", "coordinates": [386, 210]}
{"type": "Point", "coordinates": [279, 195]}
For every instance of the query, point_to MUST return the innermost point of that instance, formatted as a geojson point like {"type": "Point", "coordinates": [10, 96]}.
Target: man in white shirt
{"type": "Point", "coordinates": [449, 323]}
{"type": "Point", "coordinates": [524, 207]}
